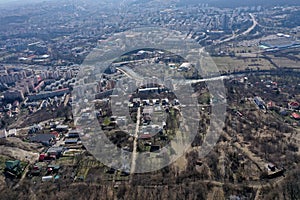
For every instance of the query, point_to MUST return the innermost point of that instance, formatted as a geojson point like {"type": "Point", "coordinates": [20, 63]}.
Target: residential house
{"type": "Point", "coordinates": [45, 139]}
{"type": "Point", "coordinates": [259, 102]}
{"type": "Point", "coordinates": [295, 116]}
{"type": "Point", "coordinates": [13, 168]}
{"type": "Point", "coordinates": [71, 141]}
{"type": "Point", "coordinates": [3, 133]}
{"type": "Point", "coordinates": [73, 134]}
{"type": "Point", "coordinates": [271, 105]}
{"type": "Point", "coordinates": [62, 128]}
{"type": "Point", "coordinates": [293, 105]}
{"type": "Point", "coordinates": [56, 151]}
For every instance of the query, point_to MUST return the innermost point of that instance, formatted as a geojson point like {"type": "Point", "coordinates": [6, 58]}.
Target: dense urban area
{"type": "Point", "coordinates": [46, 151]}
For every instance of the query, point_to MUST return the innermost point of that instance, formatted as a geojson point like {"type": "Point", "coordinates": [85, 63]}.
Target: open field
{"type": "Point", "coordinates": [285, 62]}
{"type": "Point", "coordinates": [231, 64]}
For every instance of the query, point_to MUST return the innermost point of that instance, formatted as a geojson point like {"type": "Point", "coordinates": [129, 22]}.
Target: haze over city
{"type": "Point", "coordinates": [149, 99]}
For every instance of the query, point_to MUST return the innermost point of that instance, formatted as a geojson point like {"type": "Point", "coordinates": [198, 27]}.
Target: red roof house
{"type": "Point", "coordinates": [294, 105]}
{"type": "Point", "coordinates": [295, 116]}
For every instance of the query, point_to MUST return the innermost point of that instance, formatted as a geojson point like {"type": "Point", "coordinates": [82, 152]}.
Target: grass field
{"type": "Point", "coordinates": [285, 62]}
{"type": "Point", "coordinates": [231, 64]}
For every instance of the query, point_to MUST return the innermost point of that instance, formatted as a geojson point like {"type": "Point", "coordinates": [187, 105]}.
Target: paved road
{"type": "Point", "coordinates": [243, 33]}
{"type": "Point", "coordinates": [135, 142]}
{"type": "Point", "coordinates": [66, 100]}
{"type": "Point", "coordinates": [131, 74]}
{"type": "Point", "coordinates": [253, 25]}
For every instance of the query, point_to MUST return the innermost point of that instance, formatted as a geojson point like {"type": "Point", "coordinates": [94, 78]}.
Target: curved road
{"type": "Point", "coordinates": [255, 23]}
{"type": "Point", "coordinates": [131, 74]}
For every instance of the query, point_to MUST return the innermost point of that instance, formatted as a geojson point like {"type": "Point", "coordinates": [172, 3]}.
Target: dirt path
{"type": "Point", "coordinates": [23, 177]}
{"type": "Point", "coordinates": [259, 162]}
{"type": "Point", "coordinates": [221, 164]}
{"type": "Point", "coordinates": [256, 160]}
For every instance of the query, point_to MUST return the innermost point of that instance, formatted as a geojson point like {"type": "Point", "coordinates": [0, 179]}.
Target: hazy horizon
{"type": "Point", "coordinates": [217, 3]}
